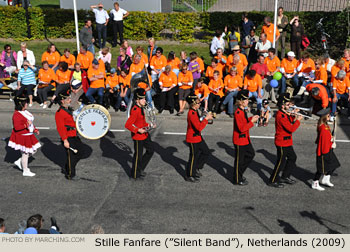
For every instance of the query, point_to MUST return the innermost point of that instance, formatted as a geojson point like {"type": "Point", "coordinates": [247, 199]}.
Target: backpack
{"type": "Point", "coordinates": [305, 42]}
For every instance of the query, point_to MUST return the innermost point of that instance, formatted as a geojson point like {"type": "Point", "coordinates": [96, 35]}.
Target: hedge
{"type": "Point", "coordinates": [184, 27]}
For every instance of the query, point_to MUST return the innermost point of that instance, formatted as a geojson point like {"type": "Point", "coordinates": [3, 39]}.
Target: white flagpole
{"type": "Point", "coordinates": [76, 24]}
{"type": "Point", "coordinates": [275, 25]}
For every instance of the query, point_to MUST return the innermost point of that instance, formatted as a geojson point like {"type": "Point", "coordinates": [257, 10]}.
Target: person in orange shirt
{"type": "Point", "coordinates": [169, 87]}
{"type": "Point", "coordinates": [97, 83]}
{"type": "Point", "coordinates": [137, 66]}
{"type": "Point", "coordinates": [341, 90]}
{"type": "Point", "coordinates": [85, 58]}
{"type": "Point", "coordinates": [253, 83]}
{"type": "Point", "coordinates": [51, 56]}
{"type": "Point", "coordinates": [273, 64]}
{"type": "Point", "coordinates": [233, 83]}
{"type": "Point", "coordinates": [216, 87]}
{"type": "Point", "coordinates": [339, 65]}
{"type": "Point", "coordinates": [174, 62]}
{"type": "Point", "coordinates": [62, 81]}
{"type": "Point", "coordinates": [222, 60]}
{"type": "Point", "coordinates": [202, 91]}
{"type": "Point", "coordinates": [211, 69]}
{"type": "Point", "coordinates": [268, 28]}
{"type": "Point", "coordinates": [185, 82]}
{"type": "Point", "coordinates": [125, 91]}
{"type": "Point", "coordinates": [289, 70]}
{"type": "Point", "coordinates": [242, 59]}
{"type": "Point", "coordinates": [47, 78]}
{"type": "Point", "coordinates": [68, 58]}
{"type": "Point", "coordinates": [199, 60]}
{"type": "Point", "coordinates": [112, 89]}
{"type": "Point", "coordinates": [144, 58]}
{"type": "Point", "coordinates": [158, 63]}
{"type": "Point", "coordinates": [306, 68]}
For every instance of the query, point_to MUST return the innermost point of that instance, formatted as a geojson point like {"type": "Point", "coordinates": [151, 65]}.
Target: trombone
{"type": "Point", "coordinates": [300, 108]}
{"type": "Point", "coordinates": [292, 108]}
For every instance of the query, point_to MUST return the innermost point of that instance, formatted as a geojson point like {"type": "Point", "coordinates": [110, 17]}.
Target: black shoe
{"type": "Point", "coordinates": [191, 179]}
{"type": "Point", "coordinates": [199, 174]}
{"type": "Point", "coordinates": [288, 181]}
{"type": "Point", "coordinates": [50, 105]}
{"type": "Point", "coordinates": [143, 174]}
{"type": "Point", "coordinates": [160, 111]}
{"type": "Point", "coordinates": [242, 183]}
{"type": "Point", "coordinates": [275, 184]}
{"type": "Point", "coordinates": [244, 179]}
{"type": "Point", "coordinates": [231, 115]}
{"type": "Point", "coordinates": [75, 178]}
{"type": "Point", "coordinates": [222, 107]}
{"type": "Point", "coordinates": [54, 223]}
{"type": "Point", "coordinates": [171, 111]}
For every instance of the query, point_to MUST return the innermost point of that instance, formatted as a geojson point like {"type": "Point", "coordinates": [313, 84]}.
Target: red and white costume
{"type": "Point", "coordinates": [22, 137]}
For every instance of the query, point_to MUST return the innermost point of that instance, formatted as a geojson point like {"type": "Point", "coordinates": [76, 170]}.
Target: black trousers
{"type": "Point", "coordinates": [117, 29]}
{"type": "Point", "coordinates": [199, 153]}
{"type": "Point", "coordinates": [296, 48]}
{"type": "Point", "coordinates": [61, 88]}
{"type": "Point", "coordinates": [28, 88]}
{"type": "Point", "coordinates": [168, 98]}
{"type": "Point", "coordinates": [286, 159]}
{"type": "Point", "coordinates": [213, 101]}
{"type": "Point", "coordinates": [319, 174]}
{"type": "Point", "coordinates": [42, 93]}
{"type": "Point", "coordinates": [243, 157]}
{"type": "Point", "coordinates": [140, 160]}
{"type": "Point", "coordinates": [73, 158]}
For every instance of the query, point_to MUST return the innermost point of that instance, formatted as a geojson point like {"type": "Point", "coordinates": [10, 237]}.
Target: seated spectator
{"type": "Point", "coordinates": [216, 87]}
{"type": "Point", "coordinates": [242, 59]}
{"type": "Point", "coordinates": [2, 226]}
{"type": "Point", "coordinates": [263, 45]}
{"type": "Point", "coordinates": [341, 89]}
{"type": "Point", "coordinates": [63, 76]}
{"type": "Point", "coordinates": [78, 85]}
{"type": "Point", "coordinates": [253, 83]}
{"type": "Point", "coordinates": [222, 60]}
{"type": "Point", "coordinates": [128, 49]}
{"type": "Point", "coordinates": [144, 58]}
{"type": "Point", "coordinates": [151, 49]}
{"type": "Point", "coordinates": [346, 58]}
{"type": "Point", "coordinates": [158, 63]}
{"type": "Point", "coordinates": [194, 68]}
{"type": "Point", "coordinates": [123, 61]}
{"type": "Point", "coordinates": [168, 86]}
{"type": "Point", "coordinates": [85, 58]}
{"type": "Point", "coordinates": [202, 91]}
{"type": "Point", "coordinates": [289, 71]}
{"type": "Point", "coordinates": [106, 57]}
{"type": "Point", "coordinates": [137, 66]}
{"type": "Point", "coordinates": [248, 44]}
{"type": "Point", "coordinates": [124, 91]}
{"type": "Point", "coordinates": [339, 65]}
{"type": "Point", "coordinates": [306, 69]}
{"type": "Point", "coordinates": [174, 62]}
{"type": "Point", "coordinates": [211, 69]}
{"type": "Point", "coordinates": [26, 81]}
{"type": "Point", "coordinates": [232, 83]}
{"type": "Point", "coordinates": [149, 91]}
{"type": "Point", "coordinates": [265, 114]}
{"type": "Point", "coordinates": [46, 82]}
{"type": "Point", "coordinates": [68, 58]}
{"type": "Point", "coordinates": [185, 82]}
{"type": "Point", "coordinates": [97, 83]}
{"type": "Point", "coordinates": [199, 60]}
{"type": "Point", "coordinates": [184, 58]}
{"type": "Point", "coordinates": [52, 57]}
{"type": "Point", "coordinates": [112, 89]}
{"type": "Point", "coordinates": [273, 65]}
{"type": "Point", "coordinates": [25, 54]}
{"type": "Point", "coordinates": [328, 63]}
{"type": "Point", "coordinates": [8, 62]}
{"type": "Point", "coordinates": [36, 222]}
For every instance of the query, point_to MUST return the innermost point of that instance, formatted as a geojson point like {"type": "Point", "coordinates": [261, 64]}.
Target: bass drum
{"type": "Point", "coordinates": [93, 122]}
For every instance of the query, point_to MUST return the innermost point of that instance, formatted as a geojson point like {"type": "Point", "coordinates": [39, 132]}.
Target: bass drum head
{"type": "Point", "coordinates": [93, 122]}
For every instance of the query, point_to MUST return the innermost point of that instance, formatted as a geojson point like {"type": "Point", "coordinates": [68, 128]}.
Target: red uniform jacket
{"type": "Point", "coordinates": [241, 127]}
{"type": "Point", "coordinates": [322, 96]}
{"type": "Point", "coordinates": [135, 122]}
{"type": "Point", "coordinates": [65, 123]}
{"type": "Point", "coordinates": [194, 127]}
{"type": "Point", "coordinates": [324, 140]}
{"type": "Point", "coordinates": [285, 126]}
{"type": "Point", "coordinates": [20, 124]}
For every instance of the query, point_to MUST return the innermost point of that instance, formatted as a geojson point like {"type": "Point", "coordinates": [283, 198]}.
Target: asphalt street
{"type": "Point", "coordinates": [164, 202]}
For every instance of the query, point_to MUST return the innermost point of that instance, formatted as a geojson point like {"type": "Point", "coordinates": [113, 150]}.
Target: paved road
{"type": "Point", "coordinates": [164, 202]}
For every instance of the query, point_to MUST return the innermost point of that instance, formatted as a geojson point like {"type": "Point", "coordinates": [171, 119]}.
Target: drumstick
{"type": "Point", "coordinates": [74, 150]}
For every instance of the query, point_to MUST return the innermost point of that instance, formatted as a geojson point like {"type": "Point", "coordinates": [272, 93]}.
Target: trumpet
{"type": "Point", "coordinates": [292, 108]}
{"type": "Point", "coordinates": [300, 108]}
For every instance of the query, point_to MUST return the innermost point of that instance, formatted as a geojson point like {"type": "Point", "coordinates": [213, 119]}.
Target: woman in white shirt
{"type": "Point", "coordinates": [25, 54]}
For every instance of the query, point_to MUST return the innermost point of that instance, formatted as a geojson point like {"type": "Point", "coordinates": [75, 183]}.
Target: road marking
{"type": "Point", "coordinates": [342, 141]}
{"type": "Point", "coordinates": [175, 133]}
{"type": "Point", "coordinates": [117, 130]}
{"type": "Point", "coordinates": [263, 137]}
{"type": "Point", "coordinates": [43, 128]}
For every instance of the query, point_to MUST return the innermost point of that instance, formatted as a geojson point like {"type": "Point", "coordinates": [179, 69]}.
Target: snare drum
{"type": "Point", "coordinates": [93, 122]}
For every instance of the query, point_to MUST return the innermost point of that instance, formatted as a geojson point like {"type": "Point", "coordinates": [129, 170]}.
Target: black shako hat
{"type": "Point", "coordinates": [139, 93]}
{"type": "Point", "coordinates": [243, 95]}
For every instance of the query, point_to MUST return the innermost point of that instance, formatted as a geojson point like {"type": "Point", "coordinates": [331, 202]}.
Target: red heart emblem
{"type": "Point", "coordinates": [93, 123]}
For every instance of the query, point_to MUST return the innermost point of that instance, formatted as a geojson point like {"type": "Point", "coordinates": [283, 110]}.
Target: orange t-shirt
{"type": "Point", "coordinates": [347, 66]}
{"type": "Point", "coordinates": [125, 81]}
{"type": "Point", "coordinates": [272, 64]}
{"type": "Point", "coordinates": [242, 60]}
{"type": "Point", "coordinates": [253, 84]}
{"type": "Point", "coordinates": [158, 63]}
{"type": "Point", "coordinates": [100, 83]}
{"type": "Point", "coordinates": [185, 79]}
{"type": "Point", "coordinates": [47, 75]}
{"type": "Point", "coordinates": [167, 80]}
{"type": "Point", "coordinates": [51, 58]}
{"type": "Point", "coordinates": [144, 58]}
{"type": "Point", "coordinates": [70, 61]}
{"type": "Point", "coordinates": [334, 71]}
{"type": "Point", "coordinates": [341, 87]}
{"type": "Point", "coordinates": [136, 68]}
{"type": "Point", "coordinates": [85, 61]}
{"type": "Point", "coordinates": [289, 66]}
{"type": "Point", "coordinates": [201, 64]}
{"type": "Point", "coordinates": [233, 82]}
{"type": "Point", "coordinates": [175, 63]}
{"type": "Point", "coordinates": [268, 30]}
{"type": "Point", "coordinates": [145, 85]}
{"type": "Point", "coordinates": [210, 72]}
{"type": "Point", "coordinates": [308, 67]}
{"type": "Point", "coordinates": [62, 77]}
{"type": "Point", "coordinates": [203, 90]}
{"type": "Point", "coordinates": [321, 74]}
{"type": "Point", "coordinates": [216, 84]}
{"type": "Point", "coordinates": [220, 64]}
{"type": "Point", "coordinates": [112, 81]}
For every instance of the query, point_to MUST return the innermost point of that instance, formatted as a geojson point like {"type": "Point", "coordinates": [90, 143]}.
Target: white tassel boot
{"type": "Point", "coordinates": [18, 163]}
{"type": "Point", "coordinates": [316, 185]}
{"type": "Point", "coordinates": [326, 180]}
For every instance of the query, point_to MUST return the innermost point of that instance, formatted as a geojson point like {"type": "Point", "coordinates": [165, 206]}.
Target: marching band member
{"type": "Point", "coordinates": [22, 137]}
{"type": "Point", "coordinates": [326, 160]}
{"type": "Point", "coordinates": [241, 139]}
{"type": "Point", "coordinates": [285, 125]}
{"type": "Point", "coordinates": [66, 129]}
{"type": "Point", "coordinates": [199, 150]}
{"type": "Point", "coordinates": [138, 127]}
